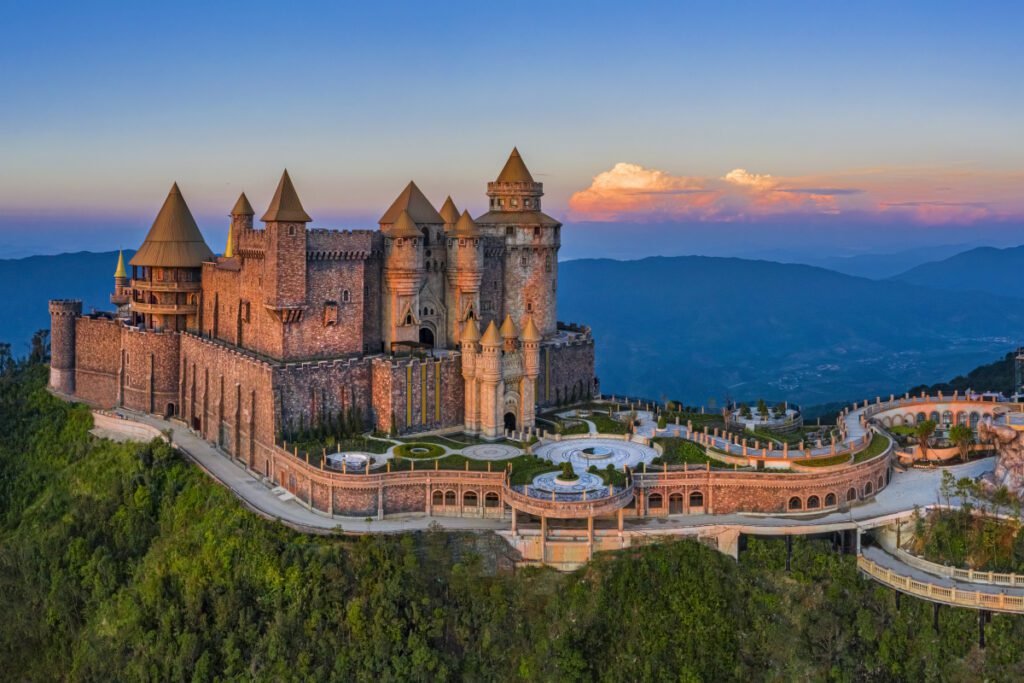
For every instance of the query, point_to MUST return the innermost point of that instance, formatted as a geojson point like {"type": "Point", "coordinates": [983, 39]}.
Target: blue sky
{"type": "Point", "coordinates": [911, 111]}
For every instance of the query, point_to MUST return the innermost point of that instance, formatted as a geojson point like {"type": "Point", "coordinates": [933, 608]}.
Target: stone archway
{"type": "Point", "coordinates": [510, 421]}
{"type": "Point", "coordinates": [426, 336]}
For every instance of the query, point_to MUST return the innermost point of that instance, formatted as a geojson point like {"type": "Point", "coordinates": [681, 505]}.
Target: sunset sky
{"type": "Point", "coordinates": [739, 119]}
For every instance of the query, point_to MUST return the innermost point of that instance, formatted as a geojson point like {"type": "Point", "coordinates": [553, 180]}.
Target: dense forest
{"type": "Point", "coordinates": [124, 562]}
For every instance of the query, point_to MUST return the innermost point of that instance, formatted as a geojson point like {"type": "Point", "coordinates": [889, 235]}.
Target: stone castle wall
{"type": "Point", "coordinates": [314, 391]}
{"type": "Point", "coordinates": [97, 360]}
{"type": "Point", "coordinates": [151, 370]}
{"type": "Point", "coordinates": [411, 394]}
{"type": "Point", "coordinates": [63, 315]}
{"type": "Point", "coordinates": [566, 371]}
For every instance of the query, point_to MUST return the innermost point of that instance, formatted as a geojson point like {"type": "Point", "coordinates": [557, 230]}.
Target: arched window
{"type": "Point", "coordinates": [881, 483]}
{"type": "Point", "coordinates": [437, 498]}
{"type": "Point", "coordinates": [868, 488]}
{"type": "Point", "coordinates": [491, 500]}
{"type": "Point", "coordinates": [426, 237]}
{"type": "Point", "coordinates": [830, 500]}
{"type": "Point", "coordinates": [675, 504]}
{"type": "Point", "coordinates": [654, 502]}
{"type": "Point", "coordinates": [449, 497]}
{"type": "Point", "coordinates": [813, 503]}
{"type": "Point", "coordinates": [469, 499]}
{"type": "Point", "coordinates": [696, 499]}
{"type": "Point", "coordinates": [851, 495]}
{"type": "Point", "coordinates": [795, 503]}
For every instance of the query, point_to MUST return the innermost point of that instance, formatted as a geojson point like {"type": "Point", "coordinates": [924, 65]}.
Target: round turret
{"type": "Point", "coordinates": [63, 313]}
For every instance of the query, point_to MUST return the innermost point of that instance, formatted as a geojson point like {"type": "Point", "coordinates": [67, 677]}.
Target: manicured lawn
{"type": "Point", "coordinates": [607, 425]}
{"type": "Point", "coordinates": [679, 451]}
{"type": "Point", "coordinates": [877, 446]}
{"type": "Point", "coordinates": [419, 450]}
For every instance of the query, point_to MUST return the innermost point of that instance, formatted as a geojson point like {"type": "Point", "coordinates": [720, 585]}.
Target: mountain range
{"type": "Point", "coordinates": [701, 329]}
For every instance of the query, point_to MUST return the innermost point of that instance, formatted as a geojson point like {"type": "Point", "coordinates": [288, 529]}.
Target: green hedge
{"type": "Point", "coordinates": [432, 450]}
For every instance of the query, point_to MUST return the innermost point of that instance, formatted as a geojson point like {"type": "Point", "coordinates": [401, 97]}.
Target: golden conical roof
{"type": "Point", "coordinates": [449, 212]}
{"type": "Point", "coordinates": [229, 248]}
{"type": "Point", "coordinates": [530, 331]}
{"type": "Point", "coordinates": [491, 336]}
{"type": "Point", "coordinates": [404, 226]}
{"type": "Point", "coordinates": [412, 200]}
{"type": "Point", "coordinates": [242, 207]}
{"type": "Point", "coordinates": [120, 271]}
{"type": "Point", "coordinates": [285, 207]}
{"type": "Point", "coordinates": [515, 170]}
{"type": "Point", "coordinates": [470, 331]}
{"type": "Point", "coordinates": [174, 241]}
{"type": "Point", "coordinates": [508, 328]}
{"type": "Point", "coordinates": [466, 227]}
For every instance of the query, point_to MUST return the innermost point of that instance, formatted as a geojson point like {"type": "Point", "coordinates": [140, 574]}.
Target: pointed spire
{"type": "Point", "coordinates": [508, 328]}
{"type": "Point", "coordinates": [515, 170]}
{"type": "Point", "coordinates": [530, 332]}
{"type": "Point", "coordinates": [470, 332]}
{"type": "Point", "coordinates": [466, 227]}
{"type": "Point", "coordinates": [174, 240]}
{"type": "Point", "coordinates": [120, 272]}
{"type": "Point", "coordinates": [411, 199]}
{"type": "Point", "coordinates": [229, 248]}
{"type": "Point", "coordinates": [243, 207]}
{"type": "Point", "coordinates": [491, 337]}
{"type": "Point", "coordinates": [285, 207]}
{"type": "Point", "coordinates": [449, 212]}
{"type": "Point", "coordinates": [404, 226]}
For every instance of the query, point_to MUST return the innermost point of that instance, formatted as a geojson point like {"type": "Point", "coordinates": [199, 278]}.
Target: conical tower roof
{"type": "Point", "coordinates": [470, 331]}
{"type": "Point", "coordinates": [449, 212]}
{"type": "Point", "coordinates": [229, 248]}
{"type": "Point", "coordinates": [491, 337]}
{"type": "Point", "coordinates": [120, 271]}
{"type": "Point", "coordinates": [404, 226]}
{"type": "Point", "coordinates": [530, 331]}
{"type": "Point", "coordinates": [466, 227]}
{"type": "Point", "coordinates": [174, 241]}
{"type": "Point", "coordinates": [242, 207]}
{"type": "Point", "coordinates": [508, 328]}
{"type": "Point", "coordinates": [515, 170]}
{"type": "Point", "coordinates": [285, 207]}
{"type": "Point", "coordinates": [415, 202]}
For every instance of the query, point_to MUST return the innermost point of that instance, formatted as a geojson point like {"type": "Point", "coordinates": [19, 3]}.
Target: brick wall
{"type": "Point", "coordinates": [418, 395]}
{"type": "Point", "coordinates": [151, 370]}
{"type": "Point", "coordinates": [566, 370]}
{"type": "Point", "coordinates": [97, 360]}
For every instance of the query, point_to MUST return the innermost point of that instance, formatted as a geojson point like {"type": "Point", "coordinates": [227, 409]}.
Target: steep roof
{"type": "Point", "coordinates": [174, 241]}
{"type": "Point", "coordinates": [515, 170]}
{"type": "Point", "coordinates": [530, 331]}
{"type": "Point", "coordinates": [285, 207]}
{"type": "Point", "coordinates": [412, 200]}
{"type": "Point", "coordinates": [229, 248]}
{"type": "Point", "coordinates": [526, 218]}
{"type": "Point", "coordinates": [242, 207]}
{"type": "Point", "coordinates": [404, 226]}
{"type": "Point", "coordinates": [466, 227]}
{"type": "Point", "coordinates": [491, 336]}
{"type": "Point", "coordinates": [508, 328]}
{"type": "Point", "coordinates": [120, 271]}
{"type": "Point", "coordinates": [449, 212]}
{"type": "Point", "coordinates": [470, 331]}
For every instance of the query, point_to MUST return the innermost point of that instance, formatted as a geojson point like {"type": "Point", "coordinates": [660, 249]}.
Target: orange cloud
{"type": "Point", "coordinates": [931, 196]}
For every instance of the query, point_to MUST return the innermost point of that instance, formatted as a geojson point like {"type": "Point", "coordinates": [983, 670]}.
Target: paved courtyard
{"type": "Point", "coordinates": [594, 451]}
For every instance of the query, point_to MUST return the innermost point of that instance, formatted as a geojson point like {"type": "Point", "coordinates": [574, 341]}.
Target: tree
{"type": "Point", "coordinates": [962, 437]}
{"type": "Point", "coordinates": [923, 431]}
{"type": "Point", "coordinates": [762, 409]}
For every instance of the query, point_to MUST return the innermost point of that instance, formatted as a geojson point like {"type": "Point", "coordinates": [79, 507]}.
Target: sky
{"type": "Point", "coordinates": [702, 127]}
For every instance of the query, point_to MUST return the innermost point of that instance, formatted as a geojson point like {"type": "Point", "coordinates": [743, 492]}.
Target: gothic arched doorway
{"type": "Point", "coordinates": [510, 422]}
{"type": "Point", "coordinates": [426, 336]}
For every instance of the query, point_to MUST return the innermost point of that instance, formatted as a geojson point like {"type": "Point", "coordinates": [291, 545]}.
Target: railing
{"type": "Point", "coordinates": [165, 309]}
{"type": "Point", "coordinates": [969, 575]}
{"type": "Point", "coordinates": [999, 602]}
{"type": "Point", "coordinates": [165, 286]}
{"type": "Point", "coordinates": [544, 506]}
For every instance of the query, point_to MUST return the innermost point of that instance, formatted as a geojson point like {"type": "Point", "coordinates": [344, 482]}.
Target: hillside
{"type": "Point", "coordinates": [696, 328]}
{"type": "Point", "coordinates": [881, 265]}
{"type": "Point", "coordinates": [27, 284]}
{"type": "Point", "coordinates": [985, 269]}
{"type": "Point", "coordinates": [123, 562]}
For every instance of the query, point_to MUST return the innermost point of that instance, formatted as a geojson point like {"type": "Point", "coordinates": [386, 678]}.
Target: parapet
{"type": "Point", "coordinates": [71, 307]}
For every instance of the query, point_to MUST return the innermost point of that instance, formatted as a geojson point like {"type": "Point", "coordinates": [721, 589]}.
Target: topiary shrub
{"type": "Point", "coordinates": [419, 450]}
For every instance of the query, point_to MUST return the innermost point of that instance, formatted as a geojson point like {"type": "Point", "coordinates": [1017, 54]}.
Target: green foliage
{"type": "Point", "coordinates": [123, 562]}
{"type": "Point", "coordinates": [678, 451]}
{"type": "Point", "coordinates": [962, 436]}
{"type": "Point", "coordinates": [607, 425]}
{"type": "Point", "coordinates": [567, 473]}
{"type": "Point", "coordinates": [421, 449]}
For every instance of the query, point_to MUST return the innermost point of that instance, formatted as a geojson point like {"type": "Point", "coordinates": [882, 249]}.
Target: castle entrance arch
{"type": "Point", "coordinates": [510, 421]}
{"type": "Point", "coordinates": [426, 336]}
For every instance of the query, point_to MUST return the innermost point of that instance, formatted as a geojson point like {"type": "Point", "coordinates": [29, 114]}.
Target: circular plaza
{"type": "Point", "coordinates": [596, 452]}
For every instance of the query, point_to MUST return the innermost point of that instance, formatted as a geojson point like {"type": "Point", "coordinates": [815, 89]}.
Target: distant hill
{"type": "Point", "coordinates": [996, 376]}
{"type": "Point", "coordinates": [27, 284]}
{"type": "Point", "coordinates": [984, 269]}
{"type": "Point", "coordinates": [696, 328]}
{"type": "Point", "coordinates": [877, 266]}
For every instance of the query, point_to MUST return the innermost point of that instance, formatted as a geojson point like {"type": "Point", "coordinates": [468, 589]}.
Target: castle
{"type": "Point", "coordinates": [435, 321]}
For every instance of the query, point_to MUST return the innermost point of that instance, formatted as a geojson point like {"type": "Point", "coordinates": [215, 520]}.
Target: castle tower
{"type": "Point", "coordinates": [167, 267]}
{"type": "Point", "coordinates": [469, 337]}
{"type": "Point", "coordinates": [122, 292]}
{"type": "Point", "coordinates": [490, 383]}
{"type": "Point", "coordinates": [403, 277]}
{"type": "Point", "coordinates": [63, 313]}
{"type": "Point", "coordinates": [450, 213]}
{"type": "Point", "coordinates": [530, 339]}
{"type": "Point", "coordinates": [465, 271]}
{"type": "Point", "coordinates": [414, 261]}
{"type": "Point", "coordinates": [532, 240]}
{"type": "Point", "coordinates": [509, 334]}
{"type": "Point", "coordinates": [284, 284]}
{"type": "Point", "coordinates": [241, 220]}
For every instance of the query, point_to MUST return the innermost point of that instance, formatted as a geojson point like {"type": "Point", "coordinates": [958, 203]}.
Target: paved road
{"type": "Point", "coordinates": [915, 487]}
